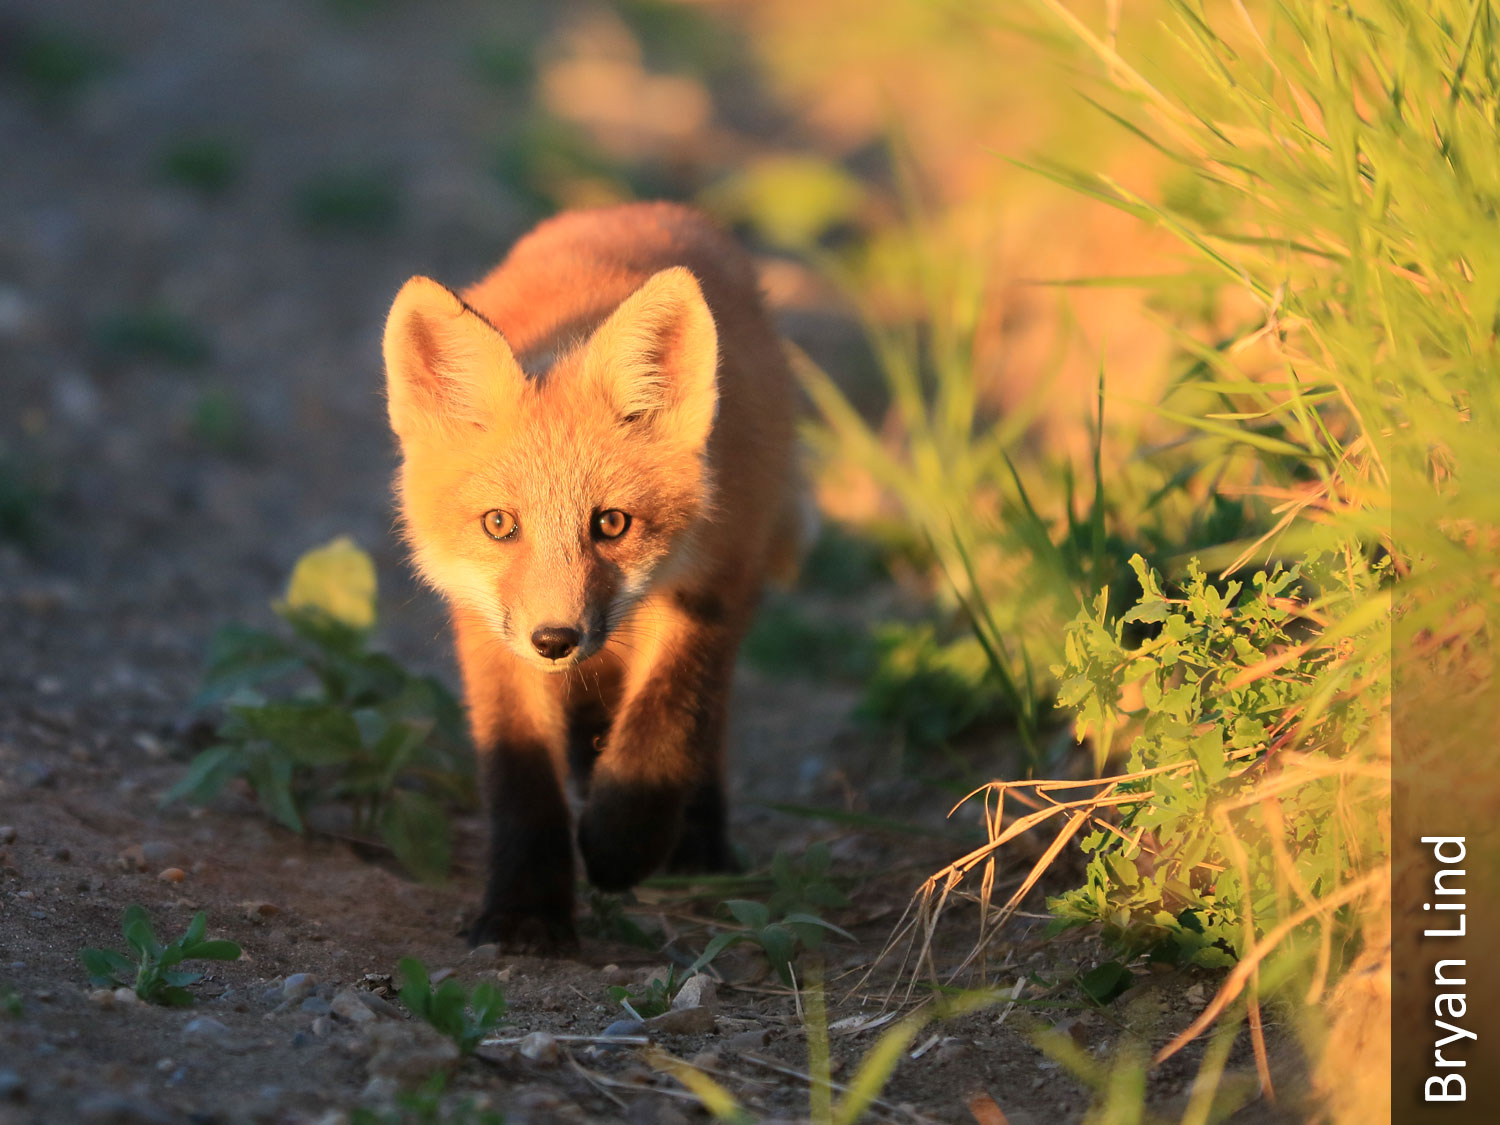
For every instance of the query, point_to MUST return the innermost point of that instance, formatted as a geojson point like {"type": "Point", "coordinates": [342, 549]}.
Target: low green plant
{"type": "Point", "coordinates": [654, 998]}
{"type": "Point", "coordinates": [466, 1017]}
{"type": "Point", "coordinates": [786, 642]}
{"type": "Point", "coordinates": [607, 918]}
{"type": "Point", "coordinates": [218, 422]}
{"type": "Point", "coordinates": [782, 940]}
{"type": "Point", "coordinates": [152, 332]}
{"type": "Point", "coordinates": [21, 500]}
{"type": "Point", "coordinates": [349, 201]}
{"type": "Point", "coordinates": [11, 1003]}
{"type": "Point", "coordinates": [430, 1104]}
{"type": "Point", "coordinates": [930, 690]}
{"type": "Point", "coordinates": [53, 64]}
{"type": "Point", "coordinates": [361, 731]}
{"type": "Point", "coordinates": [1170, 878]}
{"type": "Point", "coordinates": [803, 885]}
{"type": "Point", "coordinates": [149, 968]}
{"type": "Point", "coordinates": [206, 165]}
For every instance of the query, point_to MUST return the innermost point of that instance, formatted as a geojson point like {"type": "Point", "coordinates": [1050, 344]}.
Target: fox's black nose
{"type": "Point", "coordinates": [554, 641]}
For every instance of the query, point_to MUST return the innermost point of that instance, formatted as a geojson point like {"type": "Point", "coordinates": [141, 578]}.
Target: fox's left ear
{"type": "Point", "coordinates": [657, 357]}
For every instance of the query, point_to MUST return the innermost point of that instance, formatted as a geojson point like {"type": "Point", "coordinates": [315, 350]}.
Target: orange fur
{"type": "Point", "coordinates": [616, 361]}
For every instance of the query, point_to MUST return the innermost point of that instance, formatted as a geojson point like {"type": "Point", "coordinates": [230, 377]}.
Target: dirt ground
{"type": "Point", "coordinates": [154, 527]}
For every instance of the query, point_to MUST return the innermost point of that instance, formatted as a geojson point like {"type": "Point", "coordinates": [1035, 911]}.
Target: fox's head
{"type": "Point", "coordinates": [548, 504]}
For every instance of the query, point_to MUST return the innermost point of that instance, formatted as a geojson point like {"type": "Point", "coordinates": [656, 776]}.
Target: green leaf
{"type": "Point", "coordinates": [136, 927]}
{"type": "Point", "coordinates": [780, 945]}
{"type": "Point", "coordinates": [336, 579]}
{"type": "Point", "coordinates": [416, 828]}
{"type": "Point", "coordinates": [271, 775]}
{"type": "Point", "coordinates": [716, 945]}
{"type": "Point", "coordinates": [315, 734]}
{"type": "Point", "coordinates": [1106, 982]}
{"type": "Point", "coordinates": [196, 929]}
{"type": "Point", "coordinates": [206, 775]}
{"type": "Point", "coordinates": [107, 967]}
{"type": "Point", "coordinates": [488, 1003]}
{"type": "Point", "coordinates": [240, 657]}
{"type": "Point", "coordinates": [216, 950]}
{"type": "Point", "coordinates": [748, 913]}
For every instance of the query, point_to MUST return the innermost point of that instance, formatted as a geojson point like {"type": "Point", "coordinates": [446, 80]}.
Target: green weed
{"type": "Point", "coordinates": [206, 165]}
{"type": "Point", "coordinates": [153, 332]}
{"type": "Point", "coordinates": [53, 64]}
{"type": "Point", "coordinates": [464, 1017]}
{"type": "Point", "coordinates": [151, 971]}
{"type": "Point", "coordinates": [654, 998]}
{"type": "Point", "coordinates": [782, 940]}
{"type": "Point", "coordinates": [11, 1003]}
{"type": "Point", "coordinates": [360, 201]}
{"type": "Point", "coordinates": [363, 731]}
{"type": "Point", "coordinates": [431, 1104]}
{"type": "Point", "coordinates": [218, 422]}
{"type": "Point", "coordinates": [21, 502]}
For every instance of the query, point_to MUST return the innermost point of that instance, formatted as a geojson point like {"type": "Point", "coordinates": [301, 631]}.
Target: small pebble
{"type": "Point", "coordinates": [440, 975]}
{"type": "Point", "coordinates": [316, 1005]}
{"type": "Point", "coordinates": [540, 1047]}
{"type": "Point", "coordinates": [260, 911]}
{"type": "Point", "coordinates": [348, 1006]}
{"type": "Point", "coordinates": [322, 1027]}
{"type": "Point", "coordinates": [205, 1027]}
{"type": "Point", "coordinates": [683, 1021]}
{"type": "Point", "coordinates": [749, 1040]}
{"type": "Point", "coordinates": [698, 991]}
{"type": "Point", "coordinates": [298, 985]}
{"type": "Point", "coordinates": [301, 1039]}
{"type": "Point", "coordinates": [486, 952]}
{"type": "Point", "coordinates": [380, 1005]}
{"type": "Point", "coordinates": [7, 834]}
{"type": "Point", "coordinates": [126, 996]}
{"type": "Point", "coordinates": [172, 875]}
{"type": "Point", "coordinates": [160, 853]}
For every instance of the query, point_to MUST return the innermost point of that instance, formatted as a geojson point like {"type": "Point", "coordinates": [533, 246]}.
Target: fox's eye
{"type": "Point", "coordinates": [499, 525]}
{"type": "Point", "coordinates": [611, 524]}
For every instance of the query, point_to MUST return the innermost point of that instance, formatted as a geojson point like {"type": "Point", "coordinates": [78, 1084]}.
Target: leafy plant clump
{"type": "Point", "coordinates": [464, 1017]}
{"type": "Point", "coordinates": [654, 998]}
{"type": "Point", "coordinates": [346, 725]}
{"type": "Point", "coordinates": [151, 973]}
{"type": "Point", "coordinates": [1232, 676]}
{"type": "Point", "coordinates": [782, 940]}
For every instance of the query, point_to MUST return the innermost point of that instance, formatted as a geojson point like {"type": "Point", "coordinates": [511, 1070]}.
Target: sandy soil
{"type": "Point", "coordinates": [151, 534]}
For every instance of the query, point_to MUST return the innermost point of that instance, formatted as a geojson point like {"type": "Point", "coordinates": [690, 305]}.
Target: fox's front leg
{"type": "Point", "coordinates": [664, 750]}
{"type": "Point", "coordinates": [518, 731]}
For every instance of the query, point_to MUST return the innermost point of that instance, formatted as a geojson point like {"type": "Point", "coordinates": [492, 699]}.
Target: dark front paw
{"type": "Point", "coordinates": [627, 832]}
{"type": "Point", "coordinates": [521, 931]}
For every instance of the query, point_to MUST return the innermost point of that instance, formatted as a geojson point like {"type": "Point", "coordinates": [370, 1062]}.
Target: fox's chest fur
{"type": "Point", "coordinates": [599, 472]}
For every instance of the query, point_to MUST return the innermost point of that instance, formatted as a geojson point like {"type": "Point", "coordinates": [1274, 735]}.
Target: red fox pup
{"type": "Point", "coordinates": [598, 473]}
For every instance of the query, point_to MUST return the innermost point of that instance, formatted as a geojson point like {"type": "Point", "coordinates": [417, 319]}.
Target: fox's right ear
{"type": "Point", "coordinates": [446, 367]}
